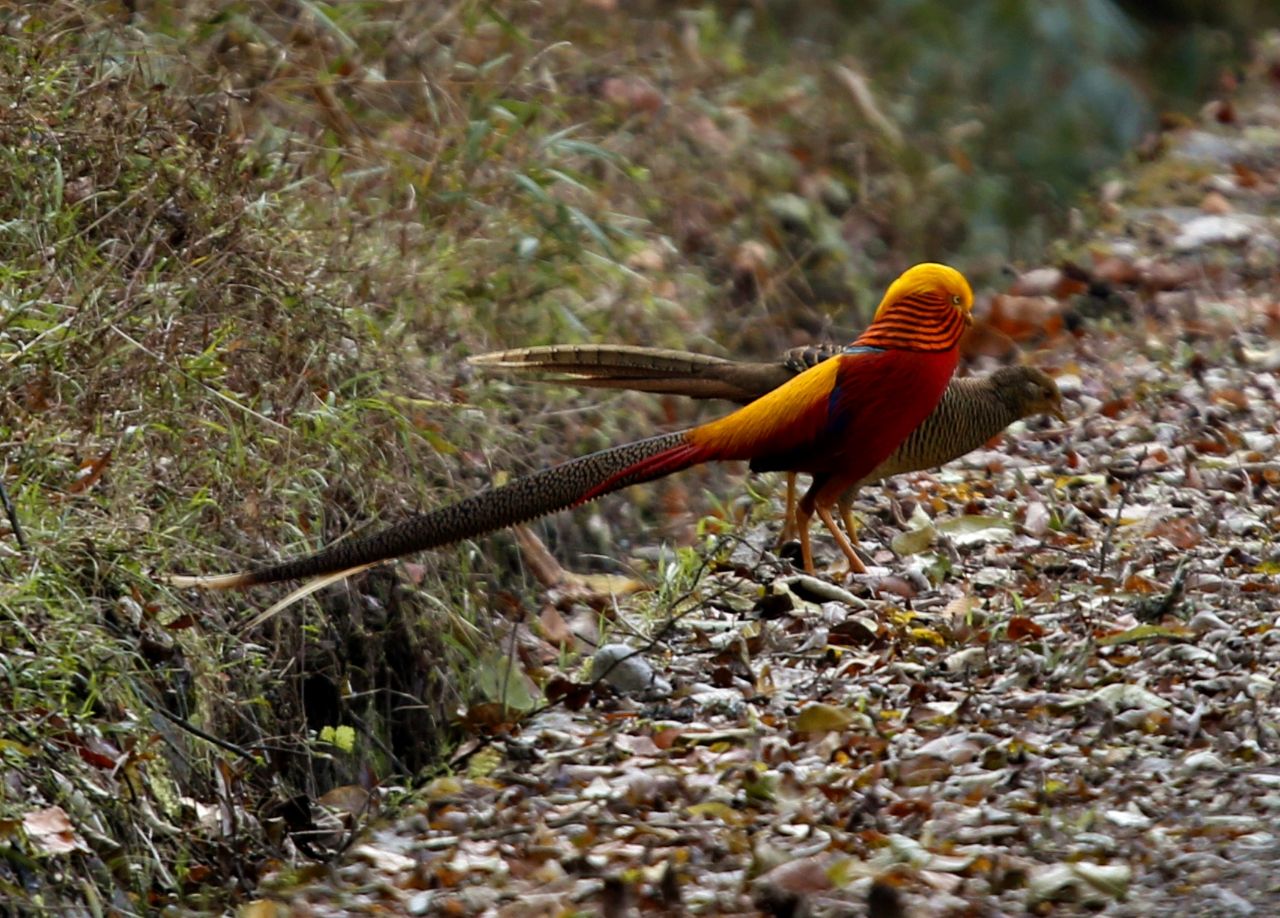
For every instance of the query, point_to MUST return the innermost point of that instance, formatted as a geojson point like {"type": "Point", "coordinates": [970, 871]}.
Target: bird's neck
{"type": "Point", "coordinates": [923, 327]}
{"type": "Point", "coordinates": [972, 412]}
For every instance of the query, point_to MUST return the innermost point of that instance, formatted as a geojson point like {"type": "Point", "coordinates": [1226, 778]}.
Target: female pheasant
{"type": "Point", "coordinates": [836, 421]}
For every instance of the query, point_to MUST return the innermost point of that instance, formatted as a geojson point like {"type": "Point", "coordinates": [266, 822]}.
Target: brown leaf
{"type": "Point", "coordinates": [1136, 583]}
{"type": "Point", "coordinates": [1025, 317]}
{"type": "Point", "coordinates": [665, 739]}
{"type": "Point", "coordinates": [1113, 408]}
{"type": "Point", "coordinates": [985, 340]}
{"type": "Point", "coordinates": [1021, 627]}
{"type": "Point", "coordinates": [1115, 270]}
{"type": "Point", "coordinates": [541, 562]}
{"type": "Point", "coordinates": [1206, 446]}
{"type": "Point", "coordinates": [806, 875]}
{"type": "Point", "coordinates": [554, 628]}
{"type": "Point", "coordinates": [97, 759]}
{"type": "Point", "coordinates": [1245, 176]}
{"type": "Point", "coordinates": [92, 470]}
{"type": "Point", "coordinates": [632, 93]}
{"type": "Point", "coordinates": [1215, 202]}
{"type": "Point", "coordinates": [574, 694]}
{"type": "Point", "coordinates": [51, 831]}
{"type": "Point", "coordinates": [489, 716]}
{"type": "Point", "coordinates": [1233, 397]}
{"type": "Point", "coordinates": [347, 798]}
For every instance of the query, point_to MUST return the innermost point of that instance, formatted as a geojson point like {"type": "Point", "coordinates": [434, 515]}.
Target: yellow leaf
{"type": "Point", "coordinates": [927, 634]}
{"type": "Point", "coordinates": [1146, 633]}
{"type": "Point", "coordinates": [448, 786]}
{"type": "Point", "coordinates": [343, 737]}
{"type": "Point", "coordinates": [716, 809]}
{"type": "Point", "coordinates": [484, 762]}
{"type": "Point", "coordinates": [818, 718]}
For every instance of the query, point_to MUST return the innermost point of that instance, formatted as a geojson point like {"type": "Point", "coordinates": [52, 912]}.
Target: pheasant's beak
{"type": "Point", "coordinates": [1055, 409]}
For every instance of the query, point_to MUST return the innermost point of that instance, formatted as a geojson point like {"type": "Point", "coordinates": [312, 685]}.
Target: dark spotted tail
{"type": "Point", "coordinates": [519, 501]}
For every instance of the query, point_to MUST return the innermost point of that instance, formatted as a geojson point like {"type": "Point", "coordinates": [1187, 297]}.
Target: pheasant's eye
{"type": "Point", "coordinates": [956, 299]}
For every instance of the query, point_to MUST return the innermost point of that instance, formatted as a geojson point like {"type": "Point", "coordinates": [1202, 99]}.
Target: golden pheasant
{"type": "Point", "coordinates": [836, 421]}
{"type": "Point", "coordinates": [971, 412]}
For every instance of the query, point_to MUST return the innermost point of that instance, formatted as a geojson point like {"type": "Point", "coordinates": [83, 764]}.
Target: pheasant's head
{"type": "Point", "coordinates": [1028, 391]}
{"type": "Point", "coordinates": [932, 284]}
{"type": "Point", "coordinates": [926, 309]}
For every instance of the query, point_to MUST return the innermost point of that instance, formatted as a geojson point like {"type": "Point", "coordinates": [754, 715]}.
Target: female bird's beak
{"type": "Point", "coordinates": [1055, 409]}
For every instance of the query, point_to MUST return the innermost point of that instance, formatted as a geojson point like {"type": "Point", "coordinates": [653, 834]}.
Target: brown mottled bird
{"type": "Point", "coordinates": [971, 411]}
{"type": "Point", "coordinates": [836, 421]}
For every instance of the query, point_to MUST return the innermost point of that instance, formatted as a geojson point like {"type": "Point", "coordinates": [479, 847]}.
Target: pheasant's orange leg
{"type": "Point", "coordinates": [849, 520]}
{"type": "Point", "coordinates": [803, 517]}
{"type": "Point", "coordinates": [846, 516]}
{"type": "Point", "coordinates": [789, 521]}
{"type": "Point", "coordinates": [855, 563]}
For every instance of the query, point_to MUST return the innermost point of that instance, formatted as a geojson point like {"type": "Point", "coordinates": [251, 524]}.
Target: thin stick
{"type": "Point", "coordinates": [12, 512]}
{"type": "Point", "coordinates": [207, 737]}
{"type": "Point", "coordinates": [1138, 472]}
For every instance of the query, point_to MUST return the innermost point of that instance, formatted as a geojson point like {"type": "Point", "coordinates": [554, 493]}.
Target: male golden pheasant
{"type": "Point", "coordinates": [836, 421]}
{"type": "Point", "coordinates": [971, 412]}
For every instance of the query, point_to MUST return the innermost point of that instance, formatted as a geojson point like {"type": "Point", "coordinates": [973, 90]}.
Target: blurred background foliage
{"type": "Point", "coordinates": [1009, 108]}
{"type": "Point", "coordinates": [793, 154]}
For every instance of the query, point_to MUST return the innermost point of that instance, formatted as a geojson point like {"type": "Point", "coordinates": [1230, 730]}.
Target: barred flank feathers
{"type": "Point", "coordinates": [557, 488]}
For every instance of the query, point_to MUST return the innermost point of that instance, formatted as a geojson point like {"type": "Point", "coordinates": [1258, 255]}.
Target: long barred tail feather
{"type": "Point", "coordinates": [647, 369]}
{"type": "Point", "coordinates": [527, 498]}
{"type": "Point", "coordinates": [667, 462]}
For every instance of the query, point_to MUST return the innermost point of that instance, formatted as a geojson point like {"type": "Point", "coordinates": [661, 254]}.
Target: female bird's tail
{"type": "Point", "coordinates": [557, 488]}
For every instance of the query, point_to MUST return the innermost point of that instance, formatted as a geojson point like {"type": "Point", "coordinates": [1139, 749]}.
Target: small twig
{"type": "Point", "coordinates": [1115, 521]}
{"type": "Point", "coordinates": [207, 737]}
{"type": "Point", "coordinates": [1154, 608]}
{"type": "Point", "coordinates": [511, 661]}
{"type": "Point", "coordinates": [12, 512]}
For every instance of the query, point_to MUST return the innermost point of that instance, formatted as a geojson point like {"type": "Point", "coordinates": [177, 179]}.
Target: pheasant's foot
{"type": "Point", "coordinates": [855, 563]}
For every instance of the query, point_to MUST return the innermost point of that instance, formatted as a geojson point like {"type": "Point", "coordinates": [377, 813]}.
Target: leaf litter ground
{"type": "Point", "coordinates": [1058, 695]}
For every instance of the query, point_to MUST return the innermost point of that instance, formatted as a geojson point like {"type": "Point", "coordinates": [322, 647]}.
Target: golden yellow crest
{"type": "Point", "coordinates": [930, 279]}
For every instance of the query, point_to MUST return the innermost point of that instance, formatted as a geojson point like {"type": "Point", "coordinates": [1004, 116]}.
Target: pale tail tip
{"type": "Point", "coordinates": [209, 581]}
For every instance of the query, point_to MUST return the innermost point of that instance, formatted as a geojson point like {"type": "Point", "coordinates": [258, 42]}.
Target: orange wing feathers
{"type": "Point", "coordinates": [790, 418]}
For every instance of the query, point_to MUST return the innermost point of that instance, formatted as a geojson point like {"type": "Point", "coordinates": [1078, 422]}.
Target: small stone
{"type": "Point", "coordinates": [1216, 203]}
{"type": "Point", "coordinates": [626, 669]}
{"type": "Point", "coordinates": [1212, 230]}
{"type": "Point", "coordinates": [1203, 761]}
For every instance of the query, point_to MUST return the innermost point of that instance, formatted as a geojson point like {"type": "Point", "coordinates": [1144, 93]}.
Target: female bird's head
{"type": "Point", "coordinates": [1028, 391]}
{"type": "Point", "coordinates": [926, 309]}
